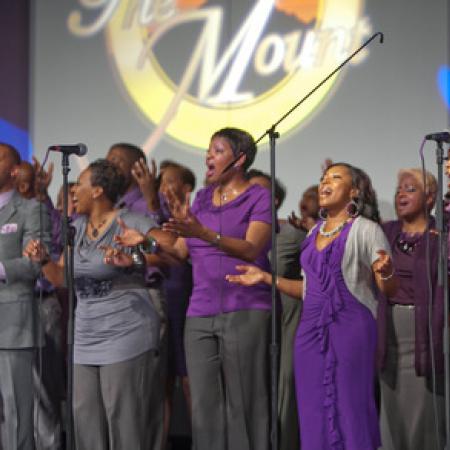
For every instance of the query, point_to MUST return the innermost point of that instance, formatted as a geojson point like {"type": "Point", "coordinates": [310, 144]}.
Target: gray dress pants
{"type": "Point", "coordinates": [407, 419]}
{"type": "Point", "coordinates": [227, 361]}
{"type": "Point", "coordinates": [112, 408]}
{"type": "Point", "coordinates": [156, 425]}
{"type": "Point", "coordinates": [16, 399]}
{"type": "Point", "coordinates": [289, 433]}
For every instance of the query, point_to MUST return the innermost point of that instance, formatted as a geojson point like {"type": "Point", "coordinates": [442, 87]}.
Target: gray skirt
{"type": "Point", "coordinates": [408, 420]}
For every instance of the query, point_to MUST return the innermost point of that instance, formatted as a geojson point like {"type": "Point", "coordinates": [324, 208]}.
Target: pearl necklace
{"type": "Point", "coordinates": [333, 231]}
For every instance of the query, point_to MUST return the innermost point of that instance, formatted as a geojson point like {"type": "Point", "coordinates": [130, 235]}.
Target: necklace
{"type": "Point", "coordinates": [333, 231]}
{"type": "Point", "coordinates": [407, 242]}
{"type": "Point", "coordinates": [224, 196]}
{"type": "Point", "coordinates": [96, 229]}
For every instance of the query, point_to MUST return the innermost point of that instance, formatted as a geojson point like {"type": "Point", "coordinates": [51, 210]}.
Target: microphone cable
{"type": "Point", "coordinates": [431, 300]}
{"type": "Point", "coordinates": [37, 397]}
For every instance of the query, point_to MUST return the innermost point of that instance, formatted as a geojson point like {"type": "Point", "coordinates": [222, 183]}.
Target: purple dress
{"type": "Point", "coordinates": [334, 356]}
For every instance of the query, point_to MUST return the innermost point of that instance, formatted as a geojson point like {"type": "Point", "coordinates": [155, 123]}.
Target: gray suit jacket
{"type": "Point", "coordinates": [19, 222]}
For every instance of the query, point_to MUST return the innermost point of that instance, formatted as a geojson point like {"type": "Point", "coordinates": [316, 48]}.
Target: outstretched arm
{"type": "Point", "coordinates": [252, 275]}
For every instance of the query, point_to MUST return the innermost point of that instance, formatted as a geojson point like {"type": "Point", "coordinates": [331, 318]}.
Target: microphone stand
{"type": "Point", "coordinates": [274, 346]}
{"type": "Point", "coordinates": [441, 227]}
{"type": "Point", "coordinates": [68, 233]}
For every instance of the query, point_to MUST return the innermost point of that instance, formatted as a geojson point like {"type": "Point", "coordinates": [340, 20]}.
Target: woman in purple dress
{"type": "Point", "coordinates": [345, 258]}
{"type": "Point", "coordinates": [405, 356]}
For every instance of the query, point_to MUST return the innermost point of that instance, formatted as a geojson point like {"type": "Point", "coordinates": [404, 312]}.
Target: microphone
{"type": "Point", "coordinates": [232, 163]}
{"type": "Point", "coordinates": [443, 136]}
{"type": "Point", "coordinates": [75, 149]}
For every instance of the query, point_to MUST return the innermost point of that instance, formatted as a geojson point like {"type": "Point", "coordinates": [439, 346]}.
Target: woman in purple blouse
{"type": "Point", "coordinates": [227, 326]}
{"type": "Point", "coordinates": [345, 258]}
{"type": "Point", "coordinates": [408, 418]}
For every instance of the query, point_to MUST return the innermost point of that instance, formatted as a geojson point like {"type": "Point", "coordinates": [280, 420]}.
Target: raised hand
{"type": "Point", "coordinates": [36, 251]}
{"type": "Point", "coordinates": [303, 223]}
{"type": "Point", "coordinates": [128, 237]}
{"type": "Point", "coordinates": [250, 276]}
{"type": "Point", "coordinates": [146, 179]}
{"type": "Point", "coordinates": [43, 178]}
{"type": "Point", "coordinates": [178, 209]}
{"type": "Point", "coordinates": [185, 224]}
{"type": "Point", "coordinates": [383, 265]}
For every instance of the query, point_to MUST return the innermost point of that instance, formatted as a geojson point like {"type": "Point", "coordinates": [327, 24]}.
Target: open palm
{"type": "Point", "coordinates": [250, 276]}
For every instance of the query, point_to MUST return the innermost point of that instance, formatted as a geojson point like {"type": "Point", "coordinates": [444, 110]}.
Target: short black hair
{"type": "Point", "coordinates": [105, 175]}
{"type": "Point", "coordinates": [280, 189]}
{"type": "Point", "coordinates": [240, 142]}
{"type": "Point", "coordinates": [186, 174]}
{"type": "Point", "coordinates": [135, 152]}
{"type": "Point", "coordinates": [14, 153]}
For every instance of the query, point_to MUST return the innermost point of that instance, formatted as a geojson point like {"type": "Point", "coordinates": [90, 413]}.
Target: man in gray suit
{"type": "Point", "coordinates": [19, 222]}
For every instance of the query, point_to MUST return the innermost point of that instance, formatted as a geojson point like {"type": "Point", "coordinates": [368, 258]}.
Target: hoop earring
{"type": "Point", "coordinates": [322, 213]}
{"type": "Point", "coordinates": [352, 209]}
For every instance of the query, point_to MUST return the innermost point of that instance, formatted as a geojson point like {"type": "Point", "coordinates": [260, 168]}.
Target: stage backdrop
{"type": "Point", "coordinates": [165, 74]}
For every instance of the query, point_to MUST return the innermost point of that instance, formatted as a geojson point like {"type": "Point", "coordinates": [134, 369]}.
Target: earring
{"type": "Point", "coordinates": [352, 209]}
{"type": "Point", "coordinates": [322, 213]}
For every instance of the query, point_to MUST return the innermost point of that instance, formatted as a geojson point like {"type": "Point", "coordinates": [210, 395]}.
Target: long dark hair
{"type": "Point", "coordinates": [366, 200]}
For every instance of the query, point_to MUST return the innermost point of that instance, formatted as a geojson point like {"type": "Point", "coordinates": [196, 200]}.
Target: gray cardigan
{"type": "Point", "coordinates": [364, 239]}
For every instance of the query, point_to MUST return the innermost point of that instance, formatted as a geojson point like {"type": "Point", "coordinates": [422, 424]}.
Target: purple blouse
{"type": "Point", "coordinates": [212, 294]}
{"type": "Point", "coordinates": [404, 261]}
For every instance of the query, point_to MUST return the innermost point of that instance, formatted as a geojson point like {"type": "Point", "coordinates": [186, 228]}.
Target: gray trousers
{"type": "Point", "coordinates": [112, 408]}
{"type": "Point", "coordinates": [407, 419]}
{"type": "Point", "coordinates": [289, 433]}
{"type": "Point", "coordinates": [227, 361]}
{"type": "Point", "coordinates": [16, 399]}
{"type": "Point", "coordinates": [156, 426]}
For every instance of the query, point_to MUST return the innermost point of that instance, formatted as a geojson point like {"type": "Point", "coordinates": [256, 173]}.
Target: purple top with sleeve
{"type": "Point", "coordinates": [134, 201]}
{"type": "Point", "coordinates": [212, 294]}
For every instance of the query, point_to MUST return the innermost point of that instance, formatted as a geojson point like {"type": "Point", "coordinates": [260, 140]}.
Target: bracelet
{"type": "Point", "coordinates": [139, 262]}
{"type": "Point", "coordinates": [217, 239]}
{"type": "Point", "coordinates": [277, 281]}
{"type": "Point", "coordinates": [389, 276]}
{"type": "Point", "coordinates": [150, 245]}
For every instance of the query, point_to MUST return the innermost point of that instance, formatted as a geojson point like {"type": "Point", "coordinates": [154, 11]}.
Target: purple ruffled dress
{"type": "Point", "coordinates": [334, 356]}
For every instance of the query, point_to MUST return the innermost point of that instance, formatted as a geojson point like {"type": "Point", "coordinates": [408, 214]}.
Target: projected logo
{"type": "Point", "coordinates": [193, 66]}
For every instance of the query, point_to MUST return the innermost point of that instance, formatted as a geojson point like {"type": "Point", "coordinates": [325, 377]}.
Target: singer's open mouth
{"type": "Point", "coordinates": [325, 192]}
{"type": "Point", "coordinates": [210, 170]}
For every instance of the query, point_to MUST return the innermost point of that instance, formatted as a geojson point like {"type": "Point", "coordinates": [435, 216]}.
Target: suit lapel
{"type": "Point", "coordinates": [9, 209]}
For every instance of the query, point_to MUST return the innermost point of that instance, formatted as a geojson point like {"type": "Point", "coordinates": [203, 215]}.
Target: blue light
{"type": "Point", "coordinates": [443, 81]}
{"type": "Point", "coordinates": [20, 139]}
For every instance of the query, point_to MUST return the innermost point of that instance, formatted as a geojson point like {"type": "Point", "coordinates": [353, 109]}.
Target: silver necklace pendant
{"type": "Point", "coordinates": [333, 231]}
{"type": "Point", "coordinates": [224, 195]}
